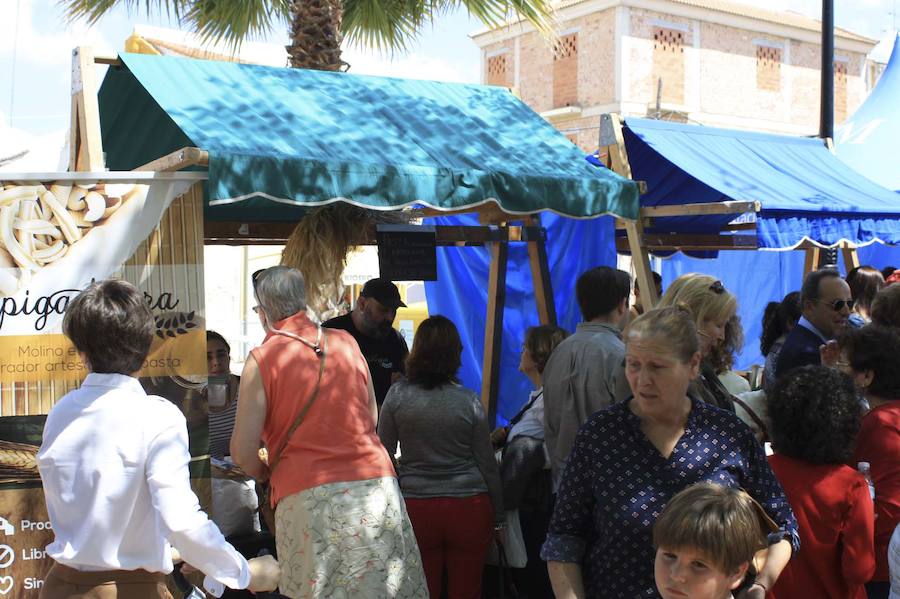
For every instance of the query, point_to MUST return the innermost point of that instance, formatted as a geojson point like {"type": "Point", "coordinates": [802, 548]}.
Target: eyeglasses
{"type": "Point", "coordinates": [718, 288]}
{"type": "Point", "coordinates": [838, 305]}
{"type": "Point", "coordinates": [255, 309]}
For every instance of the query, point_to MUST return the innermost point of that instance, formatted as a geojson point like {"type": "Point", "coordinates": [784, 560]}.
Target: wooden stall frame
{"type": "Point", "coordinates": [611, 126]}
{"type": "Point", "coordinates": [87, 154]}
{"type": "Point", "coordinates": [640, 243]}
{"type": "Point", "coordinates": [495, 231]}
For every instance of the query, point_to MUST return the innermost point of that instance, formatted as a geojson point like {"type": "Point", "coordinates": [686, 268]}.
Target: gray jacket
{"type": "Point", "coordinates": [580, 378]}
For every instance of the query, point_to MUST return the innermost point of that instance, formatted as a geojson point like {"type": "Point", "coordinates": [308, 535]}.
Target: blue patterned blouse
{"type": "Point", "coordinates": [616, 483]}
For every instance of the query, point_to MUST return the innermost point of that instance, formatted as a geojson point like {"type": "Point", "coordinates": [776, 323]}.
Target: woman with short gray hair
{"type": "Point", "coordinates": [341, 525]}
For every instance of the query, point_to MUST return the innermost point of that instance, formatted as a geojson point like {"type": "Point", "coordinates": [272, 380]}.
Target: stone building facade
{"type": "Point", "coordinates": [716, 62]}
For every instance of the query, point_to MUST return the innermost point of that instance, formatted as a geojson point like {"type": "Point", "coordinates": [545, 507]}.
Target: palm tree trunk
{"type": "Point", "coordinates": [316, 35]}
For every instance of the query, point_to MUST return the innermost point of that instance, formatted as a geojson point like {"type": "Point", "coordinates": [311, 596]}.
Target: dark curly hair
{"type": "Point", "coordinates": [435, 356]}
{"type": "Point", "coordinates": [877, 348]}
{"type": "Point", "coordinates": [815, 415]}
{"type": "Point", "coordinates": [778, 319]}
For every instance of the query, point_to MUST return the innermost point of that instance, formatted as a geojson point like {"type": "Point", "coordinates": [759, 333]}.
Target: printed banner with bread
{"type": "Point", "coordinates": [56, 236]}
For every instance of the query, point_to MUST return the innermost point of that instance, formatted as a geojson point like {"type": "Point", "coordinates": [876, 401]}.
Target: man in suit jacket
{"type": "Point", "coordinates": [826, 305]}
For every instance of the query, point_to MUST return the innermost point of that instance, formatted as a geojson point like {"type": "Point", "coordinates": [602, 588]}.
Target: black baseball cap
{"type": "Point", "coordinates": [384, 291]}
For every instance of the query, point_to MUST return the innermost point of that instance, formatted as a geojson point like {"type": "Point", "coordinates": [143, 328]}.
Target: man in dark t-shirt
{"type": "Point", "coordinates": [371, 324]}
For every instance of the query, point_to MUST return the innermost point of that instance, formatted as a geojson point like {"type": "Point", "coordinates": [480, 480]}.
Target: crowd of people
{"type": "Point", "coordinates": [640, 465]}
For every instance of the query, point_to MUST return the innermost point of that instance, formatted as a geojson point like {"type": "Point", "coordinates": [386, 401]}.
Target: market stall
{"type": "Point", "coordinates": [206, 152]}
{"type": "Point", "coordinates": [277, 142]}
{"type": "Point", "coordinates": [712, 190]}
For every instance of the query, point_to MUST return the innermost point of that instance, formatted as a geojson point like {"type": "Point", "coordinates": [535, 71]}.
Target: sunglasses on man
{"type": "Point", "coordinates": [838, 305]}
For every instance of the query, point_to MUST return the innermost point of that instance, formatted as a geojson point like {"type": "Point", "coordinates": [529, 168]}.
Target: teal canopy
{"type": "Point", "coordinates": [302, 138]}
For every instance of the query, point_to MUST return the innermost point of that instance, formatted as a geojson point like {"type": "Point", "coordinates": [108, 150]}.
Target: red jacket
{"type": "Point", "coordinates": [835, 517]}
{"type": "Point", "coordinates": [879, 444]}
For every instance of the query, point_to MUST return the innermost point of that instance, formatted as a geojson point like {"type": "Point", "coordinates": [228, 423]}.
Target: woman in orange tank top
{"type": "Point", "coordinates": [340, 521]}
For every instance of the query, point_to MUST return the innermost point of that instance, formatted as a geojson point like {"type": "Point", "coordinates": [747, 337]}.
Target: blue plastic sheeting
{"type": "Point", "coordinates": [460, 294]}
{"type": "Point", "coordinates": [879, 256]}
{"type": "Point", "coordinates": [300, 138]}
{"type": "Point", "coordinates": [805, 192]}
{"type": "Point", "coordinates": [757, 278]}
{"type": "Point", "coordinates": [868, 141]}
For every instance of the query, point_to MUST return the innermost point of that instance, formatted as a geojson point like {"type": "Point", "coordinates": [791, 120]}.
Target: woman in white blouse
{"type": "Point", "coordinates": [114, 464]}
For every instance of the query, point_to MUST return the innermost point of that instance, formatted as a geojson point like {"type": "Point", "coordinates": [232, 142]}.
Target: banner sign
{"type": "Point", "coordinates": [56, 237]}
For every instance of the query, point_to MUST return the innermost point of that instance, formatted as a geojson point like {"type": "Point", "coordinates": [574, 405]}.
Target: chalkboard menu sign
{"type": "Point", "coordinates": [406, 253]}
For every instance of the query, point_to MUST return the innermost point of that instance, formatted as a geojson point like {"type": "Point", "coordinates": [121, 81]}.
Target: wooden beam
{"type": "Point", "coordinates": [110, 59]}
{"type": "Point", "coordinates": [489, 213]}
{"type": "Point", "coordinates": [540, 276]}
{"type": "Point", "coordinates": [85, 142]}
{"type": "Point", "coordinates": [688, 242]}
{"type": "Point", "coordinates": [634, 230]}
{"type": "Point", "coordinates": [493, 330]}
{"type": "Point", "coordinates": [177, 160]}
{"type": "Point", "coordinates": [812, 260]}
{"type": "Point", "coordinates": [850, 255]}
{"type": "Point", "coordinates": [269, 233]}
{"type": "Point", "coordinates": [700, 209]}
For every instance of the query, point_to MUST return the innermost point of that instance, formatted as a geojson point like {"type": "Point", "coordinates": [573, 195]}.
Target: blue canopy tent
{"type": "Point", "coordinates": [278, 142]}
{"type": "Point", "coordinates": [712, 189]}
{"type": "Point", "coordinates": [867, 141]}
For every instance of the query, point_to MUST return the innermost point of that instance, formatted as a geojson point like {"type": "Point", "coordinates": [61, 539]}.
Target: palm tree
{"type": "Point", "coordinates": [317, 27]}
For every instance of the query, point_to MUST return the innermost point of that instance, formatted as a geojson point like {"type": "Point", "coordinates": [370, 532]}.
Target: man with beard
{"type": "Point", "coordinates": [370, 323]}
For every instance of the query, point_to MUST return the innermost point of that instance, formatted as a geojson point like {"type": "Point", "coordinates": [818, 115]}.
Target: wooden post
{"type": "Point", "coordinates": [850, 255]}
{"type": "Point", "coordinates": [540, 275]}
{"type": "Point", "coordinates": [812, 261]}
{"type": "Point", "coordinates": [85, 142]}
{"type": "Point", "coordinates": [634, 230]}
{"type": "Point", "coordinates": [493, 329]}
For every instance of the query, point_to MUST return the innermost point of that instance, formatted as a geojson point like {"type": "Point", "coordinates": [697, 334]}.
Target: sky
{"type": "Point", "coordinates": [36, 44]}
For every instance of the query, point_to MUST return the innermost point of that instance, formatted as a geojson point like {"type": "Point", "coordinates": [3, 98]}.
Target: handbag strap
{"type": "Point", "coordinates": [320, 353]}
{"type": "Point", "coordinates": [752, 414]}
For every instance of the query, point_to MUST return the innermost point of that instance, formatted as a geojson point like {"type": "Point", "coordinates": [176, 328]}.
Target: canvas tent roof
{"type": "Point", "coordinates": [295, 137]}
{"type": "Point", "coordinates": [867, 141]}
{"type": "Point", "coordinates": [805, 192]}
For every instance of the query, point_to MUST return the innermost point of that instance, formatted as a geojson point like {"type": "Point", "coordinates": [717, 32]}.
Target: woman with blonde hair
{"type": "Point", "coordinates": [712, 307]}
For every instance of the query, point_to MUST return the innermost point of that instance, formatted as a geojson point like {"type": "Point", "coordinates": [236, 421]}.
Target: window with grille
{"type": "Point", "coordinates": [498, 69]}
{"type": "Point", "coordinates": [768, 68]}
{"type": "Point", "coordinates": [565, 71]}
{"type": "Point", "coordinates": [668, 64]}
{"type": "Point", "coordinates": [840, 91]}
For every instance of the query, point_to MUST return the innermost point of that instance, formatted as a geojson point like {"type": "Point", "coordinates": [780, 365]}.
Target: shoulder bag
{"type": "Point", "coordinates": [266, 509]}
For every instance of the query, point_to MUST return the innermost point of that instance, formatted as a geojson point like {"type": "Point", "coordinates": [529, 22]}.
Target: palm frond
{"type": "Point", "coordinates": [495, 13]}
{"type": "Point", "coordinates": [394, 24]}
{"type": "Point", "coordinates": [91, 11]}
{"type": "Point", "coordinates": [234, 22]}
{"type": "Point", "coordinates": [385, 25]}
{"type": "Point", "coordinates": [229, 21]}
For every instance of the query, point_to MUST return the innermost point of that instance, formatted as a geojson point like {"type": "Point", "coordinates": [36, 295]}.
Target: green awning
{"type": "Point", "coordinates": [293, 137]}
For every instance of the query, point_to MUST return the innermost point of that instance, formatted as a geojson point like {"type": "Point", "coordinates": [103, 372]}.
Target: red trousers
{"type": "Point", "coordinates": [453, 533]}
